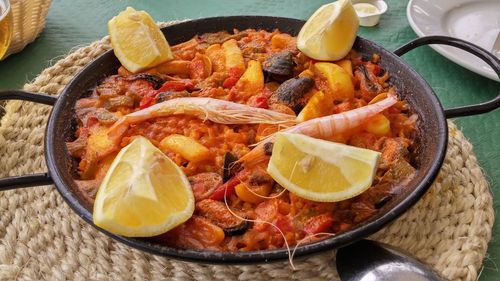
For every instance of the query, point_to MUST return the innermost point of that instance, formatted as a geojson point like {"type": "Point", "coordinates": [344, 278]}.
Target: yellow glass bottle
{"type": "Point", "coordinates": [5, 27]}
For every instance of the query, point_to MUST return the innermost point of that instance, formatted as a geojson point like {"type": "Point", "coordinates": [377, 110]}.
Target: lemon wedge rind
{"type": "Point", "coordinates": [330, 32]}
{"type": "Point", "coordinates": [137, 41]}
{"type": "Point", "coordinates": [130, 179]}
{"type": "Point", "coordinates": [353, 167]}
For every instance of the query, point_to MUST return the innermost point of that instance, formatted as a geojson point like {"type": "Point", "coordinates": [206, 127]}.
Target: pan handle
{"type": "Point", "coordinates": [479, 52]}
{"type": "Point", "coordinates": [34, 179]}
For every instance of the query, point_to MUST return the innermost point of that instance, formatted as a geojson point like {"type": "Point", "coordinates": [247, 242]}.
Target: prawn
{"type": "Point", "coordinates": [215, 110]}
{"type": "Point", "coordinates": [322, 127]}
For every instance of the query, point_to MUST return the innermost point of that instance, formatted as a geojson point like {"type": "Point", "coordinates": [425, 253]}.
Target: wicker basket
{"type": "Point", "coordinates": [28, 18]}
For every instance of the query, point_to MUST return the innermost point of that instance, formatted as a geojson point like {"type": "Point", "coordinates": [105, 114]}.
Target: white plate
{"type": "Point", "coordinates": [476, 21]}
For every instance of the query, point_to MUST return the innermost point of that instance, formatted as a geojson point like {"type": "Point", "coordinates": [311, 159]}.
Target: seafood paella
{"type": "Point", "coordinates": [217, 110]}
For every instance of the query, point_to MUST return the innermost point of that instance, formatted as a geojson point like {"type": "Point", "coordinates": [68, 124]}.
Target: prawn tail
{"type": "Point", "coordinates": [256, 157]}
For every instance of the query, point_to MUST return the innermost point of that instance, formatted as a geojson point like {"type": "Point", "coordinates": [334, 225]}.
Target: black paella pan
{"type": "Point", "coordinates": [429, 154]}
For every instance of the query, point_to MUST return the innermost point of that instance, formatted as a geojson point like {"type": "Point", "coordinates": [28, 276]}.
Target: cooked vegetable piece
{"type": "Point", "coordinates": [378, 97]}
{"type": "Point", "coordinates": [99, 142]}
{"type": "Point", "coordinates": [234, 75]}
{"type": "Point", "coordinates": [187, 147]}
{"type": "Point", "coordinates": [306, 73]}
{"type": "Point", "coordinates": [318, 224]}
{"type": "Point", "coordinates": [216, 55]}
{"type": "Point", "coordinates": [227, 188]}
{"type": "Point", "coordinates": [320, 104]}
{"type": "Point", "coordinates": [346, 65]}
{"type": "Point", "coordinates": [292, 92]}
{"type": "Point", "coordinates": [283, 41]}
{"type": "Point", "coordinates": [252, 80]}
{"type": "Point", "coordinates": [177, 67]}
{"type": "Point", "coordinates": [378, 125]}
{"type": "Point", "coordinates": [218, 213]}
{"type": "Point", "coordinates": [201, 67]}
{"type": "Point", "coordinates": [334, 79]}
{"type": "Point", "coordinates": [232, 55]}
{"type": "Point", "coordinates": [251, 194]}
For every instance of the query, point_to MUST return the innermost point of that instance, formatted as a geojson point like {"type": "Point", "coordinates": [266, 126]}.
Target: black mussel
{"type": "Point", "coordinates": [156, 81]}
{"type": "Point", "coordinates": [279, 66]}
{"type": "Point", "coordinates": [217, 212]}
{"type": "Point", "coordinates": [291, 92]}
{"type": "Point", "coordinates": [238, 229]}
{"type": "Point", "coordinates": [230, 166]}
{"type": "Point", "coordinates": [168, 95]}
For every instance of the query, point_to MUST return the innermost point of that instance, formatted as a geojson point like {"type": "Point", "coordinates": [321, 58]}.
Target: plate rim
{"type": "Point", "coordinates": [443, 51]}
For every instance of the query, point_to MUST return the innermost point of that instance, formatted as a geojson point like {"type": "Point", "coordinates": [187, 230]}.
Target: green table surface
{"type": "Point", "coordinates": [76, 23]}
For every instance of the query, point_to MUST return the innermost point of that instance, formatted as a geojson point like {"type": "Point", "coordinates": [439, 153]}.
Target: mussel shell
{"type": "Point", "coordinates": [279, 66]}
{"type": "Point", "coordinates": [168, 95]}
{"type": "Point", "coordinates": [156, 81]}
{"type": "Point", "coordinates": [238, 229]}
{"type": "Point", "coordinates": [230, 167]}
{"type": "Point", "coordinates": [291, 92]}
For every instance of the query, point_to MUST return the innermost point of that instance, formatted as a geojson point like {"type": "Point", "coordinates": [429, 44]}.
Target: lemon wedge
{"type": "Point", "coordinates": [320, 170]}
{"type": "Point", "coordinates": [143, 193]}
{"type": "Point", "coordinates": [330, 32]}
{"type": "Point", "coordinates": [137, 41]}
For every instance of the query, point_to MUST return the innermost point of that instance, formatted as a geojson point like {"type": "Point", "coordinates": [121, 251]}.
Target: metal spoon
{"type": "Point", "coordinates": [372, 261]}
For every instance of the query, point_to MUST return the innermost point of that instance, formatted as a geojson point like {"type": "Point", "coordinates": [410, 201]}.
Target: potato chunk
{"type": "Point", "coordinates": [252, 80]}
{"type": "Point", "coordinates": [233, 56]}
{"type": "Point", "coordinates": [187, 147]}
{"type": "Point", "coordinates": [335, 80]}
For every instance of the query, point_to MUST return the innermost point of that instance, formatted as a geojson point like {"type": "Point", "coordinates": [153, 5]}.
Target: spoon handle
{"type": "Point", "coordinates": [368, 260]}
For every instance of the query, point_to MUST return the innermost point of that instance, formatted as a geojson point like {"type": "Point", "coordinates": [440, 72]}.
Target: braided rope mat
{"type": "Point", "coordinates": [42, 239]}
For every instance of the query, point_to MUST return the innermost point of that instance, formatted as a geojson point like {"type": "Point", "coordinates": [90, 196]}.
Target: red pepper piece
{"type": "Point", "coordinates": [235, 72]}
{"type": "Point", "coordinates": [234, 75]}
{"type": "Point", "coordinates": [261, 102]}
{"type": "Point", "coordinates": [91, 121]}
{"type": "Point", "coordinates": [230, 82]}
{"type": "Point", "coordinates": [317, 224]}
{"type": "Point", "coordinates": [177, 85]}
{"type": "Point", "coordinates": [146, 102]}
{"type": "Point", "coordinates": [229, 187]}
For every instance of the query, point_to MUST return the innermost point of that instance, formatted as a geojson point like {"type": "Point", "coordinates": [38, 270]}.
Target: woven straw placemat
{"type": "Point", "coordinates": [42, 239]}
